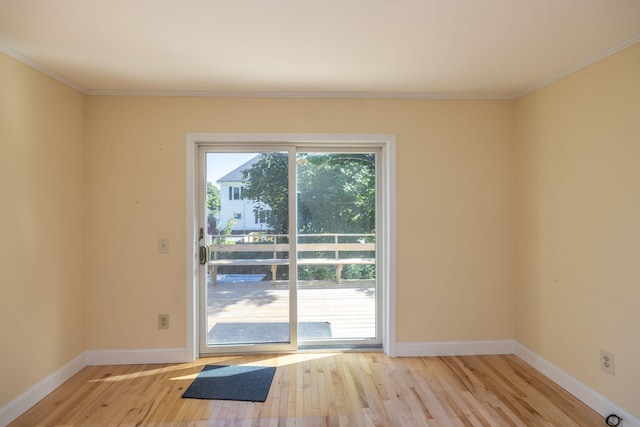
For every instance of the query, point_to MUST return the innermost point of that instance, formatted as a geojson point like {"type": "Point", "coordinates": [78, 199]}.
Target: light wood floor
{"type": "Point", "coordinates": [323, 389]}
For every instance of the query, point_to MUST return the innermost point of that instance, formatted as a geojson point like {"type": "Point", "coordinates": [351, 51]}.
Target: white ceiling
{"type": "Point", "coordinates": [421, 48]}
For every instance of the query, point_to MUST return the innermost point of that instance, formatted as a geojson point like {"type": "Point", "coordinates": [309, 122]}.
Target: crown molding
{"type": "Point", "coordinates": [44, 70]}
{"type": "Point", "coordinates": [579, 66]}
{"type": "Point", "coordinates": [364, 95]}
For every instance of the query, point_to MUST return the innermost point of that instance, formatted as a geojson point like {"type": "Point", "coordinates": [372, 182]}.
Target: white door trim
{"type": "Point", "coordinates": [387, 143]}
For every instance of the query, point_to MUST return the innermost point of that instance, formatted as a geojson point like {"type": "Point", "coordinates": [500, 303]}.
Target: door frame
{"type": "Point", "coordinates": [387, 145]}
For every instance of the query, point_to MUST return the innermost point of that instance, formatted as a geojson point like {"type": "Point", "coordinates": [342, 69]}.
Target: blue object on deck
{"type": "Point", "coordinates": [230, 278]}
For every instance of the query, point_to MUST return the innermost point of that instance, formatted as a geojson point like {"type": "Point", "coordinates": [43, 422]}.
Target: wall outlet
{"type": "Point", "coordinates": [607, 363]}
{"type": "Point", "coordinates": [163, 321]}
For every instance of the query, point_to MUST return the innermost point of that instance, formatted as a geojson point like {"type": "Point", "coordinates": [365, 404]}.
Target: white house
{"type": "Point", "coordinates": [233, 204]}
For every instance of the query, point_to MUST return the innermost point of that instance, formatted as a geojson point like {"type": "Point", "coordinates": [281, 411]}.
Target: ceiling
{"type": "Point", "coordinates": [404, 48]}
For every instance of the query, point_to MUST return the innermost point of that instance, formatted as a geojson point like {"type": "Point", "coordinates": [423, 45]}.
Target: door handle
{"type": "Point", "coordinates": [204, 251]}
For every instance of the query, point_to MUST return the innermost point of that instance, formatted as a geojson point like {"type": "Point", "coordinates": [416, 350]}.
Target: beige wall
{"type": "Point", "coordinates": [455, 208]}
{"type": "Point", "coordinates": [42, 321]}
{"type": "Point", "coordinates": [579, 224]}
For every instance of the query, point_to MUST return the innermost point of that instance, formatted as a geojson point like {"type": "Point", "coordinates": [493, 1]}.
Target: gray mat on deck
{"type": "Point", "coordinates": [263, 332]}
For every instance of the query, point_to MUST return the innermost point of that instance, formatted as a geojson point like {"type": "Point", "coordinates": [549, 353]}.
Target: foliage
{"type": "Point", "coordinates": [227, 231]}
{"type": "Point", "coordinates": [336, 192]}
{"type": "Point", "coordinates": [324, 272]}
{"type": "Point", "coordinates": [358, 271]}
{"type": "Point", "coordinates": [316, 272]}
{"type": "Point", "coordinates": [213, 206]}
{"type": "Point", "coordinates": [268, 184]}
{"type": "Point", "coordinates": [213, 198]}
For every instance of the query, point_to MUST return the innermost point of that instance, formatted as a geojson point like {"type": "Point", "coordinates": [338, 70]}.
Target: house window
{"type": "Point", "coordinates": [235, 193]}
{"type": "Point", "coordinates": [237, 215]}
{"type": "Point", "coordinates": [262, 216]}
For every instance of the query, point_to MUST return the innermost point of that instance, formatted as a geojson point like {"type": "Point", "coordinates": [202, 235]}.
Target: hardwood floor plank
{"type": "Point", "coordinates": [318, 390]}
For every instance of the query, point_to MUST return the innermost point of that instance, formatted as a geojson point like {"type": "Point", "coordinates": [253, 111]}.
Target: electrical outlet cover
{"type": "Point", "coordinates": [607, 362]}
{"type": "Point", "coordinates": [163, 321]}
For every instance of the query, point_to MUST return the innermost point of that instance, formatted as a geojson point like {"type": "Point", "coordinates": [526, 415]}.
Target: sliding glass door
{"type": "Point", "coordinates": [336, 247]}
{"type": "Point", "coordinates": [245, 287]}
{"type": "Point", "coordinates": [288, 248]}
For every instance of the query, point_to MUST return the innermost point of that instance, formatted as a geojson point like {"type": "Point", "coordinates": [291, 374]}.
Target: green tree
{"type": "Point", "coordinates": [227, 231]}
{"type": "Point", "coordinates": [336, 192]}
{"type": "Point", "coordinates": [268, 184]}
{"type": "Point", "coordinates": [213, 207]}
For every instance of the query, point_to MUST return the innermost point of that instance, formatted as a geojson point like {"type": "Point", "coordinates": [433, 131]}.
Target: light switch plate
{"type": "Point", "coordinates": [163, 246]}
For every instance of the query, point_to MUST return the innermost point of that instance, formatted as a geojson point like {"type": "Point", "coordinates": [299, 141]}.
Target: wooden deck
{"type": "Point", "coordinates": [349, 307]}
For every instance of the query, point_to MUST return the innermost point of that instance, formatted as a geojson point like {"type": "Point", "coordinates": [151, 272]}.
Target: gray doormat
{"type": "Point", "coordinates": [224, 382]}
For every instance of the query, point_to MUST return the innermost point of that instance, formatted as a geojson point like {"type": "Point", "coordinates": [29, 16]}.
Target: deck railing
{"type": "Point", "coordinates": [346, 249]}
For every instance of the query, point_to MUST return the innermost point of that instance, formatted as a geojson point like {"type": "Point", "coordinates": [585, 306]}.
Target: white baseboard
{"type": "Point", "coordinates": [26, 400]}
{"type": "Point", "coordinates": [454, 348]}
{"type": "Point", "coordinates": [591, 398]}
{"type": "Point", "coordinates": [137, 356]}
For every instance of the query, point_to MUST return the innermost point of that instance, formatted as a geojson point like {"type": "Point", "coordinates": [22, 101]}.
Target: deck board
{"type": "Point", "coordinates": [350, 307]}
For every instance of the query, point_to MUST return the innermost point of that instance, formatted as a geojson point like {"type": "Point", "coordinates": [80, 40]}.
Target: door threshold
{"type": "Point", "coordinates": [373, 348]}
{"type": "Point", "coordinates": [340, 348]}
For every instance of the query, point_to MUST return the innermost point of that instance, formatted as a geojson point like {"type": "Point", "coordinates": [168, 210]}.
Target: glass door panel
{"type": "Point", "coordinates": [246, 300]}
{"type": "Point", "coordinates": [282, 268]}
{"type": "Point", "coordinates": [336, 248]}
